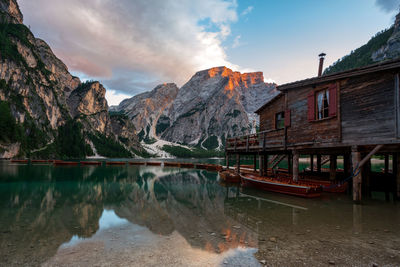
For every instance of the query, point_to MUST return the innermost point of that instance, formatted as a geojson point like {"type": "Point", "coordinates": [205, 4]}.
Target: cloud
{"type": "Point", "coordinates": [130, 45]}
{"type": "Point", "coordinates": [388, 5]}
{"type": "Point", "coordinates": [247, 10]}
{"type": "Point", "coordinates": [236, 41]}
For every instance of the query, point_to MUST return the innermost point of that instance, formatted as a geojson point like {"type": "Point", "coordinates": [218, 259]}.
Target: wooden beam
{"type": "Point", "coordinates": [265, 165]}
{"type": "Point", "coordinates": [255, 163]}
{"type": "Point", "coordinates": [227, 161]}
{"type": "Point", "coordinates": [319, 163]}
{"type": "Point", "coordinates": [279, 161]}
{"type": "Point", "coordinates": [238, 163]}
{"type": "Point", "coordinates": [374, 151]}
{"type": "Point", "coordinates": [295, 171]}
{"type": "Point", "coordinates": [332, 167]}
{"type": "Point", "coordinates": [397, 174]}
{"type": "Point", "coordinates": [312, 163]}
{"type": "Point", "coordinates": [357, 179]}
{"type": "Point", "coordinates": [386, 163]}
{"type": "Point", "coordinates": [261, 163]}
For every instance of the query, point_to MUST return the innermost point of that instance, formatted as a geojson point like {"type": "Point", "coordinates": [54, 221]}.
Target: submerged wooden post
{"type": "Point", "coordinates": [386, 163]}
{"type": "Point", "coordinates": [319, 163]}
{"type": "Point", "coordinates": [255, 162]}
{"type": "Point", "coordinates": [357, 179]}
{"type": "Point", "coordinates": [238, 163]}
{"type": "Point", "coordinates": [290, 161]}
{"type": "Point", "coordinates": [397, 156]}
{"type": "Point", "coordinates": [312, 163]}
{"type": "Point", "coordinates": [295, 171]}
{"type": "Point", "coordinates": [332, 167]}
{"type": "Point", "coordinates": [261, 163]}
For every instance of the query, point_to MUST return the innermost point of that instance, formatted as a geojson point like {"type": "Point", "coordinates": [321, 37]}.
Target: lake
{"type": "Point", "coordinates": [155, 216]}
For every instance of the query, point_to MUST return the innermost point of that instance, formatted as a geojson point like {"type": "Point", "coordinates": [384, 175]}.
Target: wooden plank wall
{"type": "Point", "coordinates": [304, 131]}
{"type": "Point", "coordinates": [267, 115]}
{"type": "Point", "coordinates": [367, 108]}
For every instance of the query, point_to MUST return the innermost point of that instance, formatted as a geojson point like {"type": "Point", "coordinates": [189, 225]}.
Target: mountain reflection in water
{"type": "Point", "coordinates": [50, 215]}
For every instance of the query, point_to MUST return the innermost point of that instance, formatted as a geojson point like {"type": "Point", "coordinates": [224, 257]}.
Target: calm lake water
{"type": "Point", "coordinates": [154, 216]}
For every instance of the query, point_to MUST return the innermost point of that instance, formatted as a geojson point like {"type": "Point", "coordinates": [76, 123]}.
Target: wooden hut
{"type": "Point", "coordinates": [353, 114]}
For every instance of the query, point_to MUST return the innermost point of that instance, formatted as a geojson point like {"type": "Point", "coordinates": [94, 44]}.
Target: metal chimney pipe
{"type": "Point", "coordinates": [321, 63]}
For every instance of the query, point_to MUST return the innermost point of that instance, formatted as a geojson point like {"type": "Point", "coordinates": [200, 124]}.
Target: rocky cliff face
{"type": "Point", "coordinates": [392, 48]}
{"type": "Point", "coordinates": [41, 93]}
{"type": "Point", "coordinates": [213, 105]}
{"type": "Point", "coordinates": [148, 111]}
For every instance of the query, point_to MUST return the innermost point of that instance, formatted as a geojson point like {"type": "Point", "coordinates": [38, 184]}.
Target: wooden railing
{"type": "Point", "coordinates": [259, 141]}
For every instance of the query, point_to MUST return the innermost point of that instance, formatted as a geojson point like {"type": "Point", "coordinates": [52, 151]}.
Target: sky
{"type": "Point", "coordinates": [133, 45]}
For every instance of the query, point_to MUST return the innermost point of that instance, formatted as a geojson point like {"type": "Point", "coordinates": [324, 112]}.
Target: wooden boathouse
{"type": "Point", "coordinates": [352, 115]}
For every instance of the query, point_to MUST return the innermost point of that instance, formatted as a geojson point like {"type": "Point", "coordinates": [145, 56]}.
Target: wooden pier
{"type": "Point", "coordinates": [353, 115]}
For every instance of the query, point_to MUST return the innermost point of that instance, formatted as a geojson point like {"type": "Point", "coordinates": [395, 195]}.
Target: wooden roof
{"type": "Point", "coordinates": [385, 65]}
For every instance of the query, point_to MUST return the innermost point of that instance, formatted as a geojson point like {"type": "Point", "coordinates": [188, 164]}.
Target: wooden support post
{"type": "Point", "coordinates": [386, 170]}
{"type": "Point", "coordinates": [319, 163]}
{"type": "Point", "coordinates": [346, 165]}
{"type": "Point", "coordinates": [295, 171]}
{"type": "Point", "coordinates": [357, 179]}
{"type": "Point", "coordinates": [367, 177]}
{"type": "Point", "coordinates": [397, 163]}
{"type": "Point", "coordinates": [227, 161]}
{"type": "Point", "coordinates": [265, 165]}
{"type": "Point", "coordinates": [261, 163]}
{"type": "Point", "coordinates": [238, 163]}
{"type": "Point", "coordinates": [290, 163]}
{"type": "Point", "coordinates": [332, 167]}
{"type": "Point", "coordinates": [312, 163]}
{"type": "Point", "coordinates": [255, 163]}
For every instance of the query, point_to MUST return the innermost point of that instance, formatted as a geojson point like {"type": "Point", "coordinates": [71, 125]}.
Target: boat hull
{"type": "Point", "coordinates": [281, 187]}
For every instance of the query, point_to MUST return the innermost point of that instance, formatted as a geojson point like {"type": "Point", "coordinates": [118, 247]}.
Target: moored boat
{"type": "Point", "coordinates": [65, 163]}
{"type": "Point", "coordinates": [137, 163]}
{"type": "Point", "coordinates": [97, 163]}
{"type": "Point", "coordinates": [120, 163]}
{"type": "Point", "coordinates": [172, 164]}
{"type": "Point", "coordinates": [187, 165]}
{"type": "Point", "coordinates": [38, 161]}
{"type": "Point", "coordinates": [153, 163]}
{"type": "Point", "coordinates": [24, 161]}
{"type": "Point", "coordinates": [328, 186]}
{"type": "Point", "coordinates": [283, 186]}
{"type": "Point", "coordinates": [229, 176]}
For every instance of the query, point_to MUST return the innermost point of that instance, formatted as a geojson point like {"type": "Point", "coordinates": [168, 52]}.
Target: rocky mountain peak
{"type": "Point", "coordinates": [10, 12]}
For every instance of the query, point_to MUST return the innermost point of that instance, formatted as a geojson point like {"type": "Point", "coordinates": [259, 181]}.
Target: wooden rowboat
{"type": "Point", "coordinates": [137, 163]}
{"type": "Point", "coordinates": [229, 176]}
{"type": "Point", "coordinates": [98, 163]}
{"type": "Point", "coordinates": [283, 186]}
{"type": "Point", "coordinates": [201, 166]}
{"type": "Point", "coordinates": [172, 164]}
{"type": "Point", "coordinates": [328, 186]}
{"type": "Point", "coordinates": [115, 163]}
{"type": "Point", "coordinates": [39, 161]}
{"type": "Point", "coordinates": [25, 161]}
{"type": "Point", "coordinates": [187, 165]}
{"type": "Point", "coordinates": [153, 163]}
{"type": "Point", "coordinates": [65, 163]}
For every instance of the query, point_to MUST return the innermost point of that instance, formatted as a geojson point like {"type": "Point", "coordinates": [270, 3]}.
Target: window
{"type": "Point", "coordinates": [322, 104]}
{"type": "Point", "coordinates": [280, 120]}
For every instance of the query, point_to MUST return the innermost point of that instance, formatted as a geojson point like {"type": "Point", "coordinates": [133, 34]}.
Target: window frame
{"type": "Point", "coordinates": [281, 121]}
{"type": "Point", "coordinates": [325, 109]}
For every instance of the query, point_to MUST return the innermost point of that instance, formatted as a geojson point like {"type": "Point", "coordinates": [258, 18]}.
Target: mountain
{"type": "Point", "coordinates": [385, 45]}
{"type": "Point", "coordinates": [147, 109]}
{"type": "Point", "coordinates": [213, 105]}
{"type": "Point", "coordinates": [45, 111]}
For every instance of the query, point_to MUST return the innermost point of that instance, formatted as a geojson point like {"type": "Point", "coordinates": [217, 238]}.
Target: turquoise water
{"type": "Point", "coordinates": [143, 216]}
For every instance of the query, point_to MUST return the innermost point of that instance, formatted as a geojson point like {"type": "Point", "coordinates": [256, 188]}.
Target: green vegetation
{"type": "Point", "coordinates": [162, 124]}
{"type": "Point", "coordinates": [361, 56]}
{"type": "Point", "coordinates": [181, 152]}
{"type": "Point", "coordinates": [211, 142]}
{"type": "Point", "coordinates": [70, 142]}
{"type": "Point", "coordinates": [109, 147]}
{"type": "Point", "coordinates": [234, 114]}
{"type": "Point", "coordinates": [9, 130]}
